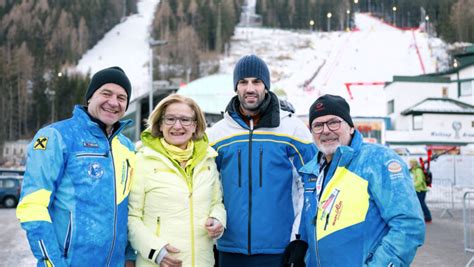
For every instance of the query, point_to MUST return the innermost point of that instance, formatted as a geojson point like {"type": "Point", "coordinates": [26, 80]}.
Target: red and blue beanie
{"type": "Point", "coordinates": [109, 75]}
{"type": "Point", "coordinates": [251, 66]}
{"type": "Point", "coordinates": [330, 105]}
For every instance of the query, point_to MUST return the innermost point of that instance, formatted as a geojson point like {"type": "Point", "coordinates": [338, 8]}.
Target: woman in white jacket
{"type": "Point", "coordinates": [175, 205]}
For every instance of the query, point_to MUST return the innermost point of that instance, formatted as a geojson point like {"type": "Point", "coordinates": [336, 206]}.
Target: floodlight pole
{"type": "Point", "coordinates": [152, 43]}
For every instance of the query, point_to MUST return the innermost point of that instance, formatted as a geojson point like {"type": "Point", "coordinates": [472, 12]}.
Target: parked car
{"type": "Point", "coordinates": [10, 187]}
{"type": "Point", "coordinates": [11, 172]}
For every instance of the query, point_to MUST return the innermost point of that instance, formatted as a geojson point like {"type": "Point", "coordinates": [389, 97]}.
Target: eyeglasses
{"type": "Point", "coordinates": [171, 120]}
{"type": "Point", "coordinates": [318, 127]}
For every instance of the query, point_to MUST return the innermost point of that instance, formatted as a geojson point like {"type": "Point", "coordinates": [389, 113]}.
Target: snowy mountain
{"type": "Point", "coordinates": [303, 64]}
{"type": "Point", "coordinates": [125, 45]}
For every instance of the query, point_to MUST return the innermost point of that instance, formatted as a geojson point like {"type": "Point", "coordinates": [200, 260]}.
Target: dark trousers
{"type": "Point", "coordinates": [426, 212]}
{"type": "Point", "coordinates": [257, 260]}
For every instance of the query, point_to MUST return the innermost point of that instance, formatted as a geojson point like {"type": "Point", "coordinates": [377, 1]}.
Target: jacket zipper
{"type": "Point", "coordinates": [109, 139]}
{"type": "Point", "coordinates": [67, 240]}
{"type": "Point", "coordinates": [261, 164]}
{"type": "Point", "coordinates": [126, 177]}
{"type": "Point", "coordinates": [157, 232]}
{"type": "Point", "coordinates": [316, 238]}
{"type": "Point", "coordinates": [250, 189]}
{"type": "Point", "coordinates": [191, 210]}
{"type": "Point", "coordinates": [189, 183]}
{"type": "Point", "coordinates": [317, 210]}
{"type": "Point", "coordinates": [47, 261]}
{"type": "Point", "coordinates": [91, 155]}
{"type": "Point", "coordinates": [239, 167]}
{"type": "Point", "coordinates": [112, 247]}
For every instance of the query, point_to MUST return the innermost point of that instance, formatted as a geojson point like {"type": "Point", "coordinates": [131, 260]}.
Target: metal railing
{"type": "Point", "coordinates": [466, 212]}
{"type": "Point", "coordinates": [441, 196]}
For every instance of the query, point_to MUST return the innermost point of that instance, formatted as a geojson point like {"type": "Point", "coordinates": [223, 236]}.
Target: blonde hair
{"type": "Point", "coordinates": [414, 162]}
{"type": "Point", "coordinates": [155, 119]}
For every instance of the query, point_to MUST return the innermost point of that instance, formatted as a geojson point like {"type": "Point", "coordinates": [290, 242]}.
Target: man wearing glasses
{"type": "Point", "coordinates": [360, 207]}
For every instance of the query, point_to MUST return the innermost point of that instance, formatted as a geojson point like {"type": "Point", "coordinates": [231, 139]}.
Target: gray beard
{"type": "Point", "coordinates": [328, 150]}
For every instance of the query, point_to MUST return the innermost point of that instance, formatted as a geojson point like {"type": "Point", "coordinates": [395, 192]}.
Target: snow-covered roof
{"type": "Point", "coordinates": [212, 93]}
{"type": "Point", "coordinates": [440, 105]}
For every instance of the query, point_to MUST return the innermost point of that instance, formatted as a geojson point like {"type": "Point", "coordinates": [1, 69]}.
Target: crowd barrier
{"type": "Point", "coordinates": [468, 227]}
{"type": "Point", "coordinates": [441, 196]}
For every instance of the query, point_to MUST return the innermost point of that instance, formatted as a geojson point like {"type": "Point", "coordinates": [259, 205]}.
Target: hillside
{"type": "Point", "coordinates": [42, 41]}
{"type": "Point", "coordinates": [38, 41]}
{"type": "Point", "coordinates": [373, 53]}
{"type": "Point", "coordinates": [305, 65]}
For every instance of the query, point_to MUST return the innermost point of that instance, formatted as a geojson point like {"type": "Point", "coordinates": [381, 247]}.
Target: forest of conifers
{"type": "Point", "coordinates": [41, 39]}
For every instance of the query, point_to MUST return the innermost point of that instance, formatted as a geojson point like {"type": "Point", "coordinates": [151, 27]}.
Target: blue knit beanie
{"type": "Point", "coordinates": [251, 66]}
{"type": "Point", "coordinates": [109, 75]}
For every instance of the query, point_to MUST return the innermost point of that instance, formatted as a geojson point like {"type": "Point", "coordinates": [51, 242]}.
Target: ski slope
{"type": "Point", "coordinates": [371, 55]}
{"type": "Point", "coordinates": [303, 64]}
{"type": "Point", "coordinates": [125, 45]}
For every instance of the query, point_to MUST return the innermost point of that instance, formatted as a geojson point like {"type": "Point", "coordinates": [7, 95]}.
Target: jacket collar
{"type": "Point", "coordinates": [96, 126]}
{"type": "Point", "coordinates": [201, 147]}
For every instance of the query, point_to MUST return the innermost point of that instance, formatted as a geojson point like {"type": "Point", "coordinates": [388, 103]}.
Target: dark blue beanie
{"type": "Point", "coordinates": [109, 75]}
{"type": "Point", "coordinates": [251, 66]}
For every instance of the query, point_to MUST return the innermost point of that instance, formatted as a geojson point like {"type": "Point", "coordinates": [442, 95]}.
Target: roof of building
{"type": "Point", "coordinates": [212, 93]}
{"type": "Point", "coordinates": [421, 78]}
{"type": "Point", "coordinates": [466, 51]}
{"type": "Point", "coordinates": [440, 106]}
{"type": "Point", "coordinates": [464, 60]}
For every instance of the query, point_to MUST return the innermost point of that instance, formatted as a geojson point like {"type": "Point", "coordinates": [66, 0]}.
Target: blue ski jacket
{"type": "Point", "coordinates": [263, 192]}
{"type": "Point", "coordinates": [367, 212]}
{"type": "Point", "coordinates": [74, 199]}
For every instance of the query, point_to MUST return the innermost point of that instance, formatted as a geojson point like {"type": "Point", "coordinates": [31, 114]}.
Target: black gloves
{"type": "Point", "coordinates": [295, 253]}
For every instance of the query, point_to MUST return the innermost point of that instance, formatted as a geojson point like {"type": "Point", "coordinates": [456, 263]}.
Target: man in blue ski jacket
{"type": "Point", "coordinates": [360, 208]}
{"type": "Point", "coordinates": [74, 199]}
{"type": "Point", "coordinates": [260, 149]}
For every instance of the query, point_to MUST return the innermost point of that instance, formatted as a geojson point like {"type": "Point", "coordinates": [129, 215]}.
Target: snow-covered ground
{"type": "Point", "coordinates": [303, 64]}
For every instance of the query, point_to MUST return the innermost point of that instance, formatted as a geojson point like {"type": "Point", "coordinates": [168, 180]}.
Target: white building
{"type": "Point", "coordinates": [14, 152]}
{"type": "Point", "coordinates": [435, 109]}
{"type": "Point", "coordinates": [434, 121]}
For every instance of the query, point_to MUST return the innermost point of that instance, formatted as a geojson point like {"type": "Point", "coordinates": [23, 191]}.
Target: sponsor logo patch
{"type": "Point", "coordinates": [95, 170]}
{"type": "Point", "coordinates": [319, 106]}
{"type": "Point", "coordinates": [394, 167]}
{"type": "Point", "coordinates": [338, 206]}
{"type": "Point", "coordinates": [90, 144]}
{"type": "Point", "coordinates": [40, 143]}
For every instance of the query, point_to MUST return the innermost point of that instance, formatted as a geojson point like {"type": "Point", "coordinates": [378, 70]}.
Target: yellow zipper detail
{"type": "Point", "coordinates": [189, 182]}
{"type": "Point", "coordinates": [158, 226]}
{"type": "Point", "coordinates": [192, 226]}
